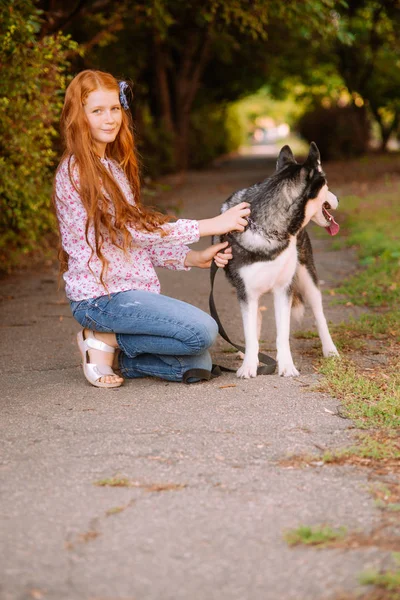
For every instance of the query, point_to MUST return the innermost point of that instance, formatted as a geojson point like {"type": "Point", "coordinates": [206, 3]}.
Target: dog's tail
{"type": "Point", "coordinates": [297, 306]}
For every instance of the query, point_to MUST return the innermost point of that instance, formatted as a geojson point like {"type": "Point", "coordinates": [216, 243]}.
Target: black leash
{"type": "Point", "coordinates": [268, 363]}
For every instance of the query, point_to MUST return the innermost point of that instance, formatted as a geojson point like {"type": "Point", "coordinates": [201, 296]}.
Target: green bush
{"type": "Point", "coordinates": [31, 94]}
{"type": "Point", "coordinates": [155, 146]}
{"type": "Point", "coordinates": [339, 132]}
{"type": "Point", "coordinates": [214, 130]}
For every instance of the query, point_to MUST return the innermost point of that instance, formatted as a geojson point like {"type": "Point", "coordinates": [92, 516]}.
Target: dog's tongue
{"type": "Point", "coordinates": [333, 228]}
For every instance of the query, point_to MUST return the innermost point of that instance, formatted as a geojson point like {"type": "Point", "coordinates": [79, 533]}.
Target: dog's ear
{"type": "Point", "coordinates": [285, 158]}
{"type": "Point", "coordinates": [314, 157]}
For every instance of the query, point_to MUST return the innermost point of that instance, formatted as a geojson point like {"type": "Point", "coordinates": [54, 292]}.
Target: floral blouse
{"type": "Point", "coordinates": [133, 270]}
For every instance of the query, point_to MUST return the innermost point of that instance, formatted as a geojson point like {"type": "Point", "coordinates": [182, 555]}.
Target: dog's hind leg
{"type": "Point", "coordinates": [282, 304]}
{"type": "Point", "coordinates": [307, 286]}
{"type": "Point", "coordinates": [249, 311]}
{"type": "Point", "coordinates": [259, 323]}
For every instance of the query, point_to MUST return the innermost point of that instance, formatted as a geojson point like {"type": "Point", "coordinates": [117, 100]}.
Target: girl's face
{"type": "Point", "coordinates": [104, 115]}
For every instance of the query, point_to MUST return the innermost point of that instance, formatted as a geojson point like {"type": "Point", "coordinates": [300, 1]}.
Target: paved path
{"type": "Point", "coordinates": [209, 503]}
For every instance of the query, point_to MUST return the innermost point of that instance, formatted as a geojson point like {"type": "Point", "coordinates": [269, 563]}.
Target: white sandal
{"type": "Point", "coordinates": [94, 372]}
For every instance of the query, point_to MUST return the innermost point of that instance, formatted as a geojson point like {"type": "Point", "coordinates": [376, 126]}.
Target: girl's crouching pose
{"type": "Point", "coordinates": [111, 244]}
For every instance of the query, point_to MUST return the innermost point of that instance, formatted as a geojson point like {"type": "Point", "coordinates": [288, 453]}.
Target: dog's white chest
{"type": "Point", "coordinates": [262, 277]}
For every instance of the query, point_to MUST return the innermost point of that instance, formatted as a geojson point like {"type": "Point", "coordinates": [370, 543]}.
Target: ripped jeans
{"type": "Point", "coordinates": [158, 336]}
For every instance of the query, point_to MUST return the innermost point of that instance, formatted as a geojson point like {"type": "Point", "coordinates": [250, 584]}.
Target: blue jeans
{"type": "Point", "coordinates": [157, 335]}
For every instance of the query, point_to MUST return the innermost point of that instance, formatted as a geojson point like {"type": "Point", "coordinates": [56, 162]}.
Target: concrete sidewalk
{"type": "Point", "coordinates": [208, 502]}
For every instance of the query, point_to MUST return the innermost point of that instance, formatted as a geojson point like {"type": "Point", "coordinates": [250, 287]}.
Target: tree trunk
{"type": "Point", "coordinates": [187, 84]}
{"type": "Point", "coordinates": [385, 130]}
{"type": "Point", "coordinates": [163, 92]}
{"type": "Point", "coordinates": [181, 145]}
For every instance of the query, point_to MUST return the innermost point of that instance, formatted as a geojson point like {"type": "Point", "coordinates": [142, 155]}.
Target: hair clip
{"type": "Point", "coordinates": [122, 96]}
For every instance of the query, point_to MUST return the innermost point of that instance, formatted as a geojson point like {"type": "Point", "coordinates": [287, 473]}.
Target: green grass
{"type": "Point", "coordinates": [305, 335]}
{"type": "Point", "coordinates": [372, 325]}
{"type": "Point", "coordinates": [368, 389]}
{"type": "Point", "coordinates": [370, 226]}
{"type": "Point", "coordinates": [388, 580]}
{"type": "Point", "coordinates": [375, 286]}
{"type": "Point", "coordinates": [372, 446]}
{"type": "Point", "coordinates": [114, 482]}
{"type": "Point", "coordinates": [355, 334]}
{"type": "Point", "coordinates": [314, 536]}
{"type": "Point", "coordinates": [115, 510]}
{"type": "Point", "coordinates": [229, 350]}
{"type": "Point", "coordinates": [371, 403]}
{"type": "Point", "coordinates": [369, 221]}
{"type": "Point", "coordinates": [390, 507]}
{"type": "Point", "coordinates": [386, 496]}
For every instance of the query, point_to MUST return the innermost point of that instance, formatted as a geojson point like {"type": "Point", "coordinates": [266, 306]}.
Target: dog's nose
{"type": "Point", "coordinates": [332, 199]}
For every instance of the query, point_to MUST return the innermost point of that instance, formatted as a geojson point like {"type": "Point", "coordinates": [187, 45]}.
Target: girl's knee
{"type": "Point", "coordinates": [207, 332]}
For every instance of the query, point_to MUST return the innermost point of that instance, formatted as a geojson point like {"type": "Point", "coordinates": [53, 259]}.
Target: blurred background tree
{"type": "Point", "coordinates": [370, 65]}
{"type": "Point", "coordinates": [348, 82]}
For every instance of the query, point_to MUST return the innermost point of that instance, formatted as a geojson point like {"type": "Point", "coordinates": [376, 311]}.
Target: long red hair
{"type": "Point", "coordinates": [96, 185]}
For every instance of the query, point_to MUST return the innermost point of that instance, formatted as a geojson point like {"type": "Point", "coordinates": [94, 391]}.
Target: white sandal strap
{"type": "Point", "coordinates": [96, 372]}
{"type": "Point", "coordinates": [91, 342]}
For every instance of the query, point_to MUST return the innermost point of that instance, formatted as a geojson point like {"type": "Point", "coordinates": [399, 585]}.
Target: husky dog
{"type": "Point", "coordinates": [274, 253]}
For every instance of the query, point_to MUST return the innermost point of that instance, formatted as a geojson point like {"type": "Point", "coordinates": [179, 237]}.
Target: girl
{"type": "Point", "coordinates": [110, 244]}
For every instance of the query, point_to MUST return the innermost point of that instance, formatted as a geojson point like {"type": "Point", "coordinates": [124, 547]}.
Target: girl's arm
{"type": "Point", "coordinates": [169, 256]}
{"type": "Point", "coordinates": [187, 231]}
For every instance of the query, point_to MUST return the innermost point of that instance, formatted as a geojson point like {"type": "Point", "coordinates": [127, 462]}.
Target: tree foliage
{"type": "Point", "coordinates": [360, 64]}
{"type": "Point", "coordinates": [370, 64]}
{"type": "Point", "coordinates": [32, 79]}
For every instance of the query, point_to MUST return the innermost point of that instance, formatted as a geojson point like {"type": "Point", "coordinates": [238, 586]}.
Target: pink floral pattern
{"type": "Point", "coordinates": [133, 270]}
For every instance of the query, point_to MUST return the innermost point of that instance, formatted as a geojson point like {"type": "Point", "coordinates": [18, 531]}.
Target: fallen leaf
{"type": "Point", "coordinates": [36, 594]}
{"type": "Point", "coordinates": [164, 487]}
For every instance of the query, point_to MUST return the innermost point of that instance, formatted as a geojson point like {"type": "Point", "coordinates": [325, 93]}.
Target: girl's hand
{"type": "Point", "coordinates": [222, 257]}
{"type": "Point", "coordinates": [203, 258]}
{"type": "Point", "coordinates": [233, 219]}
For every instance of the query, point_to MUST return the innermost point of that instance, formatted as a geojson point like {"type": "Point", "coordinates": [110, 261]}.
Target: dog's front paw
{"type": "Point", "coordinates": [247, 370]}
{"type": "Point", "coordinates": [288, 370]}
{"type": "Point", "coordinates": [330, 351]}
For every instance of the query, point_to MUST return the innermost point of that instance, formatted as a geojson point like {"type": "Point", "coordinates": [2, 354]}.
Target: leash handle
{"type": "Point", "coordinates": [269, 364]}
